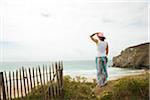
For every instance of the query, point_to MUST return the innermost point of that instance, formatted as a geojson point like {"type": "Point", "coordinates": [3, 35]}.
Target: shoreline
{"type": "Point", "coordinates": [90, 78]}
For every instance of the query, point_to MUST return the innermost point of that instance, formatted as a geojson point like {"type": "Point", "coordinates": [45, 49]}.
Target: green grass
{"type": "Point", "coordinates": [127, 88]}
{"type": "Point", "coordinates": [78, 89]}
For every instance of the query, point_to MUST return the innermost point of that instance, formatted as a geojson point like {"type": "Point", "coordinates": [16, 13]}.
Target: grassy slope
{"type": "Point", "coordinates": [127, 88]}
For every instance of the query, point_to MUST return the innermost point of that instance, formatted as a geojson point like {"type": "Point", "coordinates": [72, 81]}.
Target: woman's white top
{"type": "Point", "coordinates": [101, 48]}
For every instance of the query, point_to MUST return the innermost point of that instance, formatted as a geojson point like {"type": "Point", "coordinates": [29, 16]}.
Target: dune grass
{"type": "Point", "coordinates": [78, 89]}
{"type": "Point", "coordinates": [127, 88]}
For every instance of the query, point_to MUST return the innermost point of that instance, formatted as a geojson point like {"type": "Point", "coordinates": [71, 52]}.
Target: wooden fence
{"type": "Point", "coordinates": [40, 83]}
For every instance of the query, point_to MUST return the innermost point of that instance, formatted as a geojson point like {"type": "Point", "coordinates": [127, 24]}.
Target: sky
{"type": "Point", "coordinates": [45, 30]}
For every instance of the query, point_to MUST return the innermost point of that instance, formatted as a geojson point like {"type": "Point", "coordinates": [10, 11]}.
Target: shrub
{"type": "Point", "coordinates": [78, 89]}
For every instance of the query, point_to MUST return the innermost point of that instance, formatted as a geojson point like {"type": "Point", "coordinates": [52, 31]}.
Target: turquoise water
{"type": "Point", "coordinates": [69, 66]}
{"type": "Point", "coordinates": [73, 68]}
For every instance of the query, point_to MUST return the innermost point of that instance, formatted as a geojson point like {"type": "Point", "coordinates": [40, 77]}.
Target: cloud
{"type": "Point", "coordinates": [137, 23]}
{"type": "Point", "coordinates": [50, 29]}
{"type": "Point", "coordinates": [107, 20]}
{"type": "Point", "coordinates": [45, 14]}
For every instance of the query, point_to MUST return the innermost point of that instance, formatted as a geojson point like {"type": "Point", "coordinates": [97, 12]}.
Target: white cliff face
{"type": "Point", "coordinates": [133, 57]}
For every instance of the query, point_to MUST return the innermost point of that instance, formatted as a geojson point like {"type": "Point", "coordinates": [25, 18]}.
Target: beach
{"type": "Point", "coordinates": [112, 76]}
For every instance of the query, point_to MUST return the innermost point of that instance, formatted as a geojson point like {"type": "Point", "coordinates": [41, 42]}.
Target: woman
{"type": "Point", "coordinates": [101, 59]}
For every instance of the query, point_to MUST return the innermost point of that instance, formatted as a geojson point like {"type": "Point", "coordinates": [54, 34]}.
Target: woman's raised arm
{"type": "Point", "coordinates": [93, 39]}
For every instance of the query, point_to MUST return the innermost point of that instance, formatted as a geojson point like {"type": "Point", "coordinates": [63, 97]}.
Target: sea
{"type": "Point", "coordinates": [83, 68]}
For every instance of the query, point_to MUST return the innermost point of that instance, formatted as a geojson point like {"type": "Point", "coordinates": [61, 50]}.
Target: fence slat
{"type": "Point", "coordinates": [6, 85]}
{"type": "Point", "coordinates": [57, 83]}
{"type": "Point", "coordinates": [41, 83]}
{"type": "Point", "coordinates": [30, 79]}
{"type": "Point", "coordinates": [2, 86]}
{"type": "Point", "coordinates": [44, 81]}
{"type": "Point", "coordinates": [43, 75]}
{"type": "Point", "coordinates": [10, 84]}
{"type": "Point", "coordinates": [46, 75]}
{"type": "Point", "coordinates": [40, 75]}
{"type": "Point", "coordinates": [53, 82]}
{"type": "Point", "coordinates": [51, 88]}
{"type": "Point", "coordinates": [37, 80]}
{"type": "Point", "coordinates": [21, 84]}
{"type": "Point", "coordinates": [27, 80]}
{"type": "Point", "coordinates": [24, 82]}
{"type": "Point", "coordinates": [33, 74]}
{"type": "Point", "coordinates": [61, 75]}
{"type": "Point", "coordinates": [17, 79]}
{"type": "Point", "coordinates": [59, 70]}
{"type": "Point", "coordinates": [14, 92]}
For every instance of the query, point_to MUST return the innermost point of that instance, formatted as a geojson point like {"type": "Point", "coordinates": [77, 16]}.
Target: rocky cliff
{"type": "Point", "coordinates": [133, 57]}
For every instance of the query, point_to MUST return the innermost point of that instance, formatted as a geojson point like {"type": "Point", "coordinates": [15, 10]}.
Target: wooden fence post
{"type": "Point", "coordinates": [57, 83]}
{"type": "Point", "coordinates": [33, 75]}
{"type": "Point", "coordinates": [30, 79]}
{"type": "Point", "coordinates": [46, 75]}
{"type": "Point", "coordinates": [17, 80]}
{"type": "Point", "coordinates": [2, 85]}
{"type": "Point", "coordinates": [14, 85]}
{"type": "Point", "coordinates": [51, 88]}
{"type": "Point", "coordinates": [44, 82]}
{"type": "Point", "coordinates": [53, 81]}
{"type": "Point", "coordinates": [6, 85]}
{"type": "Point", "coordinates": [10, 85]}
{"type": "Point", "coordinates": [61, 75]}
{"type": "Point", "coordinates": [60, 85]}
{"type": "Point", "coordinates": [40, 75]}
{"type": "Point", "coordinates": [24, 82]}
{"type": "Point", "coordinates": [43, 75]}
{"type": "Point", "coordinates": [37, 80]}
{"type": "Point", "coordinates": [41, 84]}
{"type": "Point", "coordinates": [21, 83]}
{"type": "Point", "coordinates": [27, 80]}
